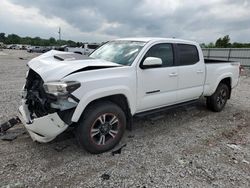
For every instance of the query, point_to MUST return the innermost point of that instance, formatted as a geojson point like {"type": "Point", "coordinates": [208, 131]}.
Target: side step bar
{"type": "Point", "coordinates": [163, 109]}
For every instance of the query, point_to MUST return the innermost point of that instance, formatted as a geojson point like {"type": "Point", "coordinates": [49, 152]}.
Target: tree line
{"type": "Point", "coordinates": [224, 42]}
{"type": "Point", "coordinates": [36, 41]}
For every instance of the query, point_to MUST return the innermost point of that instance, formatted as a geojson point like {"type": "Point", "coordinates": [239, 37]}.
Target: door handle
{"type": "Point", "coordinates": [199, 71]}
{"type": "Point", "coordinates": [173, 74]}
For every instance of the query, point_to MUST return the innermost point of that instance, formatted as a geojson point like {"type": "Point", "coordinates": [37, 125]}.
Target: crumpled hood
{"type": "Point", "coordinates": [54, 65]}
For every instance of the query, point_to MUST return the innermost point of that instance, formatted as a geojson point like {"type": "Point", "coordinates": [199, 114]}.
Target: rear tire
{"type": "Point", "coordinates": [218, 100]}
{"type": "Point", "coordinates": [101, 127]}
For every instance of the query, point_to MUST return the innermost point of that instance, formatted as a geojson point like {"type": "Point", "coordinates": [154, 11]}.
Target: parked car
{"type": "Point", "coordinates": [9, 46]}
{"type": "Point", "coordinates": [86, 49]}
{"type": "Point", "coordinates": [100, 94]}
{"type": "Point", "coordinates": [38, 49]}
{"type": "Point", "coordinates": [25, 47]}
{"type": "Point", "coordinates": [14, 46]}
{"type": "Point", "coordinates": [89, 48]}
{"type": "Point", "coordinates": [2, 46]}
{"type": "Point", "coordinates": [59, 48]}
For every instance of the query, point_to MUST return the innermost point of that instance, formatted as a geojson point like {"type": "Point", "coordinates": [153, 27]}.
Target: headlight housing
{"type": "Point", "coordinates": [61, 88]}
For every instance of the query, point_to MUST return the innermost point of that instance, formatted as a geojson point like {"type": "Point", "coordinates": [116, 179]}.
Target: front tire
{"type": "Point", "coordinates": [218, 100]}
{"type": "Point", "coordinates": [101, 127]}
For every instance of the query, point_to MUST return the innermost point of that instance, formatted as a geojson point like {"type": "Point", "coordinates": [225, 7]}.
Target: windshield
{"type": "Point", "coordinates": [121, 52]}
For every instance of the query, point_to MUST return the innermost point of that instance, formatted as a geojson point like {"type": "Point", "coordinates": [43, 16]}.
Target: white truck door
{"type": "Point", "coordinates": [191, 72]}
{"type": "Point", "coordinates": [157, 86]}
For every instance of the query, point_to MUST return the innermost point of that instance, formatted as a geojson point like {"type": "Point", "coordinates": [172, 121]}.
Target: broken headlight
{"type": "Point", "coordinates": [61, 88]}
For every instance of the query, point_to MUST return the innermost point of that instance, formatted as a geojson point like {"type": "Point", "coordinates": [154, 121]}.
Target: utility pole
{"type": "Point", "coordinates": [59, 32]}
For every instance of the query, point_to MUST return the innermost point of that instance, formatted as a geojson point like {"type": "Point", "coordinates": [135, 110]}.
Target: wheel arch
{"type": "Point", "coordinates": [119, 99]}
{"type": "Point", "coordinates": [121, 96]}
{"type": "Point", "coordinates": [227, 81]}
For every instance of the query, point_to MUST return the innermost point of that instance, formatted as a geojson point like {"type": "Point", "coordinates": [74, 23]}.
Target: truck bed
{"type": "Point", "coordinates": [217, 70]}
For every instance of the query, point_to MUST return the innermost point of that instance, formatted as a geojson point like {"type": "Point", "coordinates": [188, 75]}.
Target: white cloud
{"type": "Point", "coordinates": [28, 16]}
{"type": "Point", "coordinates": [16, 18]}
{"type": "Point", "coordinates": [94, 20]}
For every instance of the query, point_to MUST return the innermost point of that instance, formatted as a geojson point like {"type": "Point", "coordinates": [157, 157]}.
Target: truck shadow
{"type": "Point", "coordinates": [160, 122]}
{"type": "Point", "coordinates": [196, 111]}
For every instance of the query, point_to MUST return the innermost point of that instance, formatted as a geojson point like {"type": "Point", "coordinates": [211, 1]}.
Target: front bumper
{"type": "Point", "coordinates": [43, 129]}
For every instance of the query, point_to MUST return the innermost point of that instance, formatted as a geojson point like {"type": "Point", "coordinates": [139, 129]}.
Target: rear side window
{"type": "Point", "coordinates": [188, 54]}
{"type": "Point", "coordinates": [162, 51]}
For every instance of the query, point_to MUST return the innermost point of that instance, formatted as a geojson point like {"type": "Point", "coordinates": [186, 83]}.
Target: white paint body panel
{"type": "Point", "coordinates": [217, 72]}
{"type": "Point", "coordinates": [104, 82]}
{"type": "Point", "coordinates": [51, 69]}
{"type": "Point", "coordinates": [148, 81]}
{"type": "Point", "coordinates": [190, 82]}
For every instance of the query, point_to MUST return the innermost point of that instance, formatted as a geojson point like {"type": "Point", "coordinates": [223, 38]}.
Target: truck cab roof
{"type": "Point", "coordinates": [156, 39]}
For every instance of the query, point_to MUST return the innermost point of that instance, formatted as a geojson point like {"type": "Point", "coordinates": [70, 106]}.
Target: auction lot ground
{"type": "Point", "coordinates": [188, 147]}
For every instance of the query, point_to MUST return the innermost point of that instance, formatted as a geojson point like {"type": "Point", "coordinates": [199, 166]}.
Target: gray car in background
{"type": "Point", "coordinates": [38, 49]}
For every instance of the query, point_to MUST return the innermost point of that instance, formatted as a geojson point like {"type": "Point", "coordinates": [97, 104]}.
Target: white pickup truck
{"type": "Point", "coordinates": [99, 95]}
{"type": "Point", "coordinates": [86, 49]}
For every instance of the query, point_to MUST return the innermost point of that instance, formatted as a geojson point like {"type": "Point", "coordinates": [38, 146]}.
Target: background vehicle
{"type": "Point", "coordinates": [60, 48]}
{"type": "Point", "coordinates": [14, 46]}
{"type": "Point", "coordinates": [101, 93]}
{"type": "Point", "coordinates": [25, 47]}
{"type": "Point", "coordinates": [38, 49]}
{"type": "Point", "coordinates": [9, 46]}
{"type": "Point", "coordinates": [86, 49]}
{"type": "Point", "coordinates": [2, 45]}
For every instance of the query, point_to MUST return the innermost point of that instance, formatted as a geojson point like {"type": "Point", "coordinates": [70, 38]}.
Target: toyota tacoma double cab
{"type": "Point", "coordinates": [98, 95]}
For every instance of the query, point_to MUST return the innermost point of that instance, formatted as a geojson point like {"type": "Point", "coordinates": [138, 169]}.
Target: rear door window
{"type": "Point", "coordinates": [188, 54]}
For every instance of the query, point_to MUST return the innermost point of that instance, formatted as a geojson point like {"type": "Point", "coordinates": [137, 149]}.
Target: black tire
{"type": "Point", "coordinates": [91, 123]}
{"type": "Point", "coordinates": [218, 100]}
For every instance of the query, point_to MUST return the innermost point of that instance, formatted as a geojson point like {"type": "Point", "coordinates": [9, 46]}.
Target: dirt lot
{"type": "Point", "coordinates": [187, 147]}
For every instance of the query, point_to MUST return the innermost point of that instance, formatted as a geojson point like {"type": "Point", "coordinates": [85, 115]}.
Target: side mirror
{"type": "Point", "coordinates": [151, 62]}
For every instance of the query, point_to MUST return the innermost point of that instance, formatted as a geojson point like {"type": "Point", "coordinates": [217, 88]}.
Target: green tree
{"type": "Point", "coordinates": [211, 45]}
{"type": "Point", "coordinates": [36, 41]}
{"type": "Point", "coordinates": [2, 37]}
{"type": "Point", "coordinates": [52, 41]}
{"type": "Point", "coordinates": [71, 43]}
{"type": "Point", "coordinates": [26, 40]}
{"type": "Point", "coordinates": [13, 39]}
{"type": "Point", "coordinates": [223, 42]}
{"type": "Point", "coordinates": [203, 45]}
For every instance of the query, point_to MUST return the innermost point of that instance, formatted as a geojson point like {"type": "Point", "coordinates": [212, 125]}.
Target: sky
{"type": "Point", "coordinates": [102, 20]}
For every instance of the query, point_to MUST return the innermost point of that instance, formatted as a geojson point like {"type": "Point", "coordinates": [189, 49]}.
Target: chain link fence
{"type": "Point", "coordinates": [241, 55]}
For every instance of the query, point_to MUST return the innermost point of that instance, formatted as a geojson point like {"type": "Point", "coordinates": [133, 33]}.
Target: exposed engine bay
{"type": "Point", "coordinates": [41, 103]}
{"type": "Point", "coordinates": [37, 99]}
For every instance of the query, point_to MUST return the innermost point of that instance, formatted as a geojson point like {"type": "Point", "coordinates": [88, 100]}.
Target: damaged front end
{"type": "Point", "coordinates": [47, 108]}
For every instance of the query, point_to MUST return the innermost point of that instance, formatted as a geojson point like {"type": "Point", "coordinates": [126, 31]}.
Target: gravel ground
{"type": "Point", "coordinates": [187, 147]}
